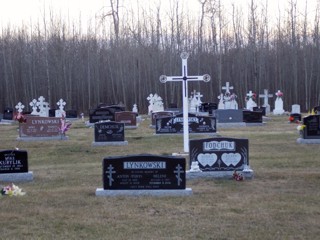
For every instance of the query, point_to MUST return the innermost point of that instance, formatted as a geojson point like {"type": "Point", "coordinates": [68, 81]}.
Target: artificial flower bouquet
{"type": "Point", "coordinates": [12, 190]}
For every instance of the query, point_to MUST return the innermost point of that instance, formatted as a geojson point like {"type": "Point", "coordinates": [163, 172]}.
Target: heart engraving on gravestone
{"type": "Point", "coordinates": [207, 159]}
{"type": "Point", "coordinates": [231, 158]}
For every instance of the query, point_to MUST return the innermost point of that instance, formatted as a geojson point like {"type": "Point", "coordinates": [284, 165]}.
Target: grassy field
{"type": "Point", "coordinates": [281, 202]}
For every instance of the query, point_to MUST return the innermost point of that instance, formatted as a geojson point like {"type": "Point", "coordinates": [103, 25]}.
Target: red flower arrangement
{"type": "Point", "coordinates": [20, 118]}
{"type": "Point", "coordinates": [279, 94]}
{"type": "Point", "coordinates": [237, 176]}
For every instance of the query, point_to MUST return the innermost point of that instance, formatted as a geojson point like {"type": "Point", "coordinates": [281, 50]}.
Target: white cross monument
{"type": "Point", "coordinates": [266, 97]}
{"type": "Point", "coordinates": [184, 78]}
{"type": "Point", "coordinates": [20, 107]}
{"type": "Point", "coordinates": [227, 87]}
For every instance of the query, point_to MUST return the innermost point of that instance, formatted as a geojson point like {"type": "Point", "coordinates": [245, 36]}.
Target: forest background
{"type": "Point", "coordinates": [120, 57]}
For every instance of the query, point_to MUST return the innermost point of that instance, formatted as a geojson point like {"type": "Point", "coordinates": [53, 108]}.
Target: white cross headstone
{"type": "Point", "coordinates": [250, 103]}
{"type": "Point", "coordinates": [266, 97]}
{"type": "Point", "coordinates": [34, 106]}
{"type": "Point", "coordinates": [184, 78]}
{"type": "Point", "coordinates": [135, 108]}
{"type": "Point", "coordinates": [43, 107]}
{"type": "Point", "coordinates": [20, 107]}
{"type": "Point", "coordinates": [227, 87]}
{"type": "Point", "coordinates": [60, 112]}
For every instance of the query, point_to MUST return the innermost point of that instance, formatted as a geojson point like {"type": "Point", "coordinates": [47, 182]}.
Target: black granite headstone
{"type": "Point", "coordinates": [197, 124]}
{"type": "Point", "coordinates": [252, 116]}
{"type": "Point", "coordinates": [144, 172]}
{"type": "Point", "coordinates": [101, 114]}
{"type": "Point", "coordinates": [8, 113]}
{"type": "Point", "coordinates": [71, 114]}
{"type": "Point", "coordinates": [52, 112]}
{"type": "Point", "coordinates": [220, 154]}
{"type": "Point", "coordinates": [228, 115]}
{"type": "Point", "coordinates": [13, 161]}
{"type": "Point", "coordinates": [208, 107]}
{"type": "Point", "coordinates": [108, 132]}
{"type": "Point", "coordinates": [317, 110]}
{"type": "Point", "coordinates": [312, 127]}
{"type": "Point", "coordinates": [260, 109]}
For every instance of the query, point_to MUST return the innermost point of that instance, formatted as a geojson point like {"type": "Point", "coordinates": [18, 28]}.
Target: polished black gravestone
{"type": "Point", "coordinates": [252, 117]}
{"type": "Point", "coordinates": [220, 157]}
{"type": "Point", "coordinates": [101, 114]}
{"type": "Point", "coordinates": [261, 109]}
{"type": "Point", "coordinates": [8, 113]}
{"type": "Point", "coordinates": [311, 131]}
{"type": "Point", "coordinates": [14, 166]}
{"type": "Point", "coordinates": [144, 175]}
{"type": "Point", "coordinates": [109, 133]}
{"type": "Point", "coordinates": [197, 124]}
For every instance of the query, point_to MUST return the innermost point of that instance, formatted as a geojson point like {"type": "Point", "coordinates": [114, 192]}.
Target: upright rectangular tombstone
{"type": "Point", "coordinates": [228, 115]}
{"type": "Point", "coordinates": [162, 114]}
{"type": "Point", "coordinates": [222, 156]}
{"type": "Point", "coordinates": [197, 124]}
{"type": "Point", "coordinates": [312, 127]}
{"type": "Point", "coordinates": [252, 116]}
{"type": "Point", "coordinates": [14, 166]}
{"type": "Point", "coordinates": [109, 133]}
{"type": "Point", "coordinates": [40, 128]}
{"type": "Point", "coordinates": [72, 114]}
{"type": "Point", "coordinates": [146, 172]}
{"type": "Point", "coordinates": [100, 114]}
{"type": "Point", "coordinates": [128, 118]}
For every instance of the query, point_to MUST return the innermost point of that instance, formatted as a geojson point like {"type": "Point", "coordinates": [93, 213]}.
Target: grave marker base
{"type": "Point", "coordinates": [16, 177]}
{"type": "Point", "coordinates": [98, 144]}
{"type": "Point", "coordinates": [231, 125]}
{"type": "Point", "coordinates": [6, 122]}
{"type": "Point", "coordinates": [247, 174]}
{"type": "Point", "coordinates": [100, 192]}
{"type": "Point", "coordinates": [308, 141]}
{"type": "Point", "coordinates": [27, 139]}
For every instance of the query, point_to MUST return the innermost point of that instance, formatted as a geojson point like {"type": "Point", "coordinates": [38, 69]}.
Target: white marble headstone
{"type": "Point", "coordinates": [19, 107]}
{"type": "Point", "coordinates": [250, 104]}
{"type": "Point", "coordinates": [295, 108]}
{"type": "Point", "coordinates": [278, 105]}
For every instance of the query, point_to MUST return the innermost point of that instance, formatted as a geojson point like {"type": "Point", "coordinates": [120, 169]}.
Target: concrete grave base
{"type": "Point", "coordinates": [255, 124]}
{"type": "Point", "coordinates": [308, 141]}
{"type": "Point", "coordinates": [98, 144]}
{"type": "Point", "coordinates": [30, 139]}
{"type": "Point", "coordinates": [100, 192]}
{"type": "Point", "coordinates": [247, 174]}
{"type": "Point", "coordinates": [230, 125]}
{"type": "Point", "coordinates": [16, 177]}
{"type": "Point", "coordinates": [6, 122]}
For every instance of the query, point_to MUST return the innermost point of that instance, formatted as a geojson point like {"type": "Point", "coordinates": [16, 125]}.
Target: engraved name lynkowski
{"type": "Point", "coordinates": [144, 165]}
{"type": "Point", "coordinates": [219, 146]}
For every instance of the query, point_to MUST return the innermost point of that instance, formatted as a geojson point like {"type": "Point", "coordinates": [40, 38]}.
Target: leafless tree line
{"type": "Point", "coordinates": [121, 57]}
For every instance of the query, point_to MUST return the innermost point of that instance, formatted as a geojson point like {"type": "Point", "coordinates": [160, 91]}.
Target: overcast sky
{"type": "Point", "coordinates": [17, 11]}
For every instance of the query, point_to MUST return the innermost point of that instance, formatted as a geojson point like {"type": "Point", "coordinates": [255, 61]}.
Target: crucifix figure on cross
{"type": "Point", "coordinates": [184, 78]}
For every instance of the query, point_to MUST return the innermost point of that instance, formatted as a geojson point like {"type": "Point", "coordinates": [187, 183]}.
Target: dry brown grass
{"type": "Point", "coordinates": [281, 202]}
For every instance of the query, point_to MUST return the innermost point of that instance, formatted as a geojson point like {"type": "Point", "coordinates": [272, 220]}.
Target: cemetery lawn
{"type": "Point", "coordinates": [281, 202]}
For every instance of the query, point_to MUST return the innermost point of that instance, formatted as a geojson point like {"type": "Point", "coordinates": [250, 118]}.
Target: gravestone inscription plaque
{"type": "Point", "coordinates": [144, 172]}
{"type": "Point", "coordinates": [128, 118]}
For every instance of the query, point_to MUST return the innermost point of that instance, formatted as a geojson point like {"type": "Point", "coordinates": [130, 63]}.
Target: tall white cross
{"type": "Point", "coordinates": [184, 78]}
{"type": "Point", "coordinates": [227, 87]}
{"type": "Point", "coordinates": [265, 97]}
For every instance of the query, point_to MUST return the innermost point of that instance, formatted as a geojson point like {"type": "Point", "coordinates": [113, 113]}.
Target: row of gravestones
{"type": "Point", "coordinates": [151, 172]}
{"type": "Point", "coordinates": [41, 108]}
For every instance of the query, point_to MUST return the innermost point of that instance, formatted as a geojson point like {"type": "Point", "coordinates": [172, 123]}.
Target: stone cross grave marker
{"type": "Point", "coordinates": [227, 87]}
{"type": "Point", "coordinates": [20, 107]}
{"type": "Point", "coordinates": [43, 107]}
{"type": "Point", "coordinates": [266, 97]}
{"type": "Point", "coordinates": [33, 104]}
{"type": "Point", "coordinates": [184, 78]}
{"type": "Point", "coordinates": [250, 103]}
{"type": "Point", "coordinates": [61, 105]}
